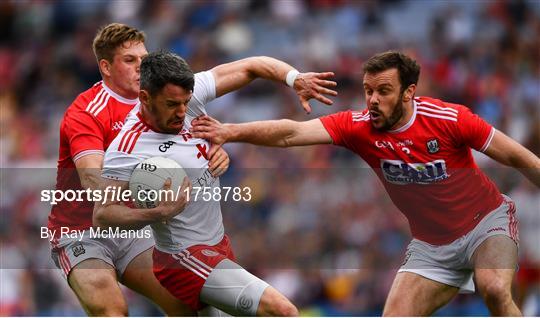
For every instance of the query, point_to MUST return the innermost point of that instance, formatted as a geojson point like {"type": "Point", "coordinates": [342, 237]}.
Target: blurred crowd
{"type": "Point", "coordinates": [320, 227]}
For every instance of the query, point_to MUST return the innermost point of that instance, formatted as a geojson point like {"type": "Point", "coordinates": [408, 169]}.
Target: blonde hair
{"type": "Point", "coordinates": [112, 36]}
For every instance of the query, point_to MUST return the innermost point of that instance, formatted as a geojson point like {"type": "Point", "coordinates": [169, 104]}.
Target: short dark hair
{"type": "Point", "coordinates": [161, 68]}
{"type": "Point", "coordinates": [112, 36]}
{"type": "Point", "coordinates": [408, 69]}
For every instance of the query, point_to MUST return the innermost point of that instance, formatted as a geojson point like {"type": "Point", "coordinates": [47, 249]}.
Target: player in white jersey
{"type": "Point", "coordinates": [193, 258]}
{"type": "Point", "coordinates": [201, 221]}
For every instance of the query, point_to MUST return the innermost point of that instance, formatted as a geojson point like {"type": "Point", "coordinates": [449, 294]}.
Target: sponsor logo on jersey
{"type": "Point", "coordinates": [166, 145]}
{"type": "Point", "coordinates": [206, 179]}
{"type": "Point", "coordinates": [400, 172]}
{"type": "Point", "coordinates": [78, 249]}
{"type": "Point", "coordinates": [433, 146]}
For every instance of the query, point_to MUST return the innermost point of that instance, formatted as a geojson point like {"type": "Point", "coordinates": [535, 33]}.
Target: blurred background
{"type": "Point", "coordinates": [320, 227]}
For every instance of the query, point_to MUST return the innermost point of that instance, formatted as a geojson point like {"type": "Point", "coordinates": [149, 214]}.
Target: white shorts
{"type": "Point", "coordinates": [117, 252]}
{"type": "Point", "coordinates": [451, 264]}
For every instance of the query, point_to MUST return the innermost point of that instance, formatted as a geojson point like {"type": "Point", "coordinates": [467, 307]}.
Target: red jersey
{"type": "Point", "coordinates": [426, 166]}
{"type": "Point", "coordinates": [89, 125]}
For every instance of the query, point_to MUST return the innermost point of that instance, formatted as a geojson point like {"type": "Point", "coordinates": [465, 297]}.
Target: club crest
{"type": "Point", "coordinates": [433, 146]}
{"type": "Point", "coordinates": [78, 249]}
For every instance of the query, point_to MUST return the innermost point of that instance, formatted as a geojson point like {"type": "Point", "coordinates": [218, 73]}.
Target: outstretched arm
{"type": "Point", "coordinates": [273, 133]}
{"type": "Point", "coordinates": [509, 152]}
{"type": "Point", "coordinates": [235, 75]}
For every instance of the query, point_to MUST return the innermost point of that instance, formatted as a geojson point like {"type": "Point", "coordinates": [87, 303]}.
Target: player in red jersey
{"type": "Point", "coordinates": [93, 266]}
{"type": "Point", "coordinates": [420, 148]}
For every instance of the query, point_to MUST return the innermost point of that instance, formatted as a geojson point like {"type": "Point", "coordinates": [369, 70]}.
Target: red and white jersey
{"type": "Point", "coordinates": [201, 221]}
{"type": "Point", "coordinates": [426, 166]}
{"type": "Point", "coordinates": [89, 125]}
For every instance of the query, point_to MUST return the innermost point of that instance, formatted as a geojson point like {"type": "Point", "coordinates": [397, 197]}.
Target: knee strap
{"type": "Point", "coordinates": [232, 289]}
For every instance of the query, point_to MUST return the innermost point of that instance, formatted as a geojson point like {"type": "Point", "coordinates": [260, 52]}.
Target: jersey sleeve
{"type": "Point", "coordinates": [85, 134]}
{"type": "Point", "coordinates": [339, 126]}
{"type": "Point", "coordinates": [203, 93]}
{"type": "Point", "coordinates": [473, 131]}
{"type": "Point", "coordinates": [119, 165]}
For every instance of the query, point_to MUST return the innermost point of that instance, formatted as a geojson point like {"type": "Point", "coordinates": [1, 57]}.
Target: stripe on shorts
{"type": "Point", "coordinates": [198, 261]}
{"type": "Point", "coordinates": [63, 259]}
{"type": "Point", "coordinates": [193, 264]}
{"type": "Point", "coordinates": [513, 222]}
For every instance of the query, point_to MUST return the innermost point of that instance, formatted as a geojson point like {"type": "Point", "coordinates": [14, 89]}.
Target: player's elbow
{"type": "Point", "coordinates": [522, 159]}
{"type": "Point", "coordinates": [286, 142]}
{"type": "Point", "coordinates": [261, 66]}
{"type": "Point", "coordinates": [99, 217]}
{"type": "Point", "coordinates": [290, 134]}
{"type": "Point", "coordinates": [97, 221]}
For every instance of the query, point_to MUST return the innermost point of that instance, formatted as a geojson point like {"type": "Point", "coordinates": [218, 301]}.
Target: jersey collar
{"type": "Point", "coordinates": [118, 97]}
{"type": "Point", "coordinates": [408, 124]}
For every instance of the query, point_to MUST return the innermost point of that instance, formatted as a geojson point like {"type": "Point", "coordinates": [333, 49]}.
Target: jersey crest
{"type": "Point", "coordinates": [433, 146]}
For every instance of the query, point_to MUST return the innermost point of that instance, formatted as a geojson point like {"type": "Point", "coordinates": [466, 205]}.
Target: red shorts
{"type": "Point", "coordinates": [184, 274]}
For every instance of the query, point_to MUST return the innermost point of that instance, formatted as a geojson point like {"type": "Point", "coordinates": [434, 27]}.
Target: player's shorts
{"type": "Point", "coordinates": [117, 252]}
{"type": "Point", "coordinates": [184, 275]}
{"type": "Point", "coordinates": [451, 264]}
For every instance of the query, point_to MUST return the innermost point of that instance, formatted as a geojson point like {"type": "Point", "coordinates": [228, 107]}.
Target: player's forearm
{"type": "Point", "coordinates": [89, 170]}
{"type": "Point", "coordinates": [528, 164]}
{"type": "Point", "coordinates": [517, 156]}
{"type": "Point", "coordinates": [268, 68]}
{"type": "Point", "coordinates": [235, 75]}
{"type": "Point", "coordinates": [90, 178]}
{"type": "Point", "coordinates": [272, 133]}
{"type": "Point", "coordinates": [509, 152]}
{"type": "Point", "coordinates": [116, 215]}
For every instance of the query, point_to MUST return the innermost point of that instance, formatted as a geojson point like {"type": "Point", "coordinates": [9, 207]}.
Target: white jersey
{"type": "Point", "coordinates": [201, 221]}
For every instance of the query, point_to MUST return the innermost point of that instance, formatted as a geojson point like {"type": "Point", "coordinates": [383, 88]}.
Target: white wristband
{"type": "Point", "coordinates": [291, 77]}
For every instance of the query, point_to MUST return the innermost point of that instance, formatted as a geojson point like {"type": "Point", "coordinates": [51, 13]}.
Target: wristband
{"type": "Point", "coordinates": [291, 77]}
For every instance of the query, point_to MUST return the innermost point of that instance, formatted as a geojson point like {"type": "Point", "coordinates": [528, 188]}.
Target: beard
{"type": "Point", "coordinates": [394, 117]}
{"type": "Point", "coordinates": [154, 119]}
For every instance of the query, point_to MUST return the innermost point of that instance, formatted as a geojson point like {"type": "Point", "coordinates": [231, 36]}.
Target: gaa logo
{"type": "Point", "coordinates": [148, 167]}
{"type": "Point", "coordinates": [166, 145]}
